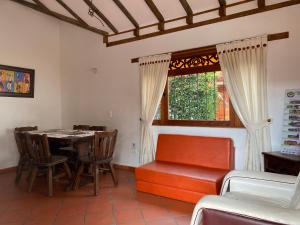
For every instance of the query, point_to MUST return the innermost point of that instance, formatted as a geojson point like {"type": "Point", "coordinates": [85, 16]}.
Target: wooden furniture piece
{"type": "Point", "coordinates": [99, 159]}
{"type": "Point", "coordinates": [41, 159]}
{"type": "Point", "coordinates": [24, 161]}
{"type": "Point", "coordinates": [98, 128]}
{"type": "Point", "coordinates": [81, 127]}
{"type": "Point", "coordinates": [186, 167]}
{"type": "Point", "coordinates": [277, 162]}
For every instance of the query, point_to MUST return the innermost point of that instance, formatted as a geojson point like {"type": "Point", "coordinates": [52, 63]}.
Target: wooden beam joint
{"type": "Point", "coordinates": [261, 3]}
{"type": "Point", "coordinates": [188, 10]}
{"type": "Point", "coordinates": [222, 9]}
{"type": "Point", "coordinates": [158, 15]}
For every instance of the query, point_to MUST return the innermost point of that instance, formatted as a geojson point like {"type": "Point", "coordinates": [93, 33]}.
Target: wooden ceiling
{"type": "Point", "coordinates": [123, 21]}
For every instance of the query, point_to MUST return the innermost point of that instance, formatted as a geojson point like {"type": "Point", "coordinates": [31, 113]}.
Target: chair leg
{"type": "Point", "coordinates": [113, 174]}
{"type": "Point", "coordinates": [50, 181]}
{"type": "Point", "coordinates": [96, 179]}
{"type": "Point", "coordinates": [33, 174]}
{"type": "Point", "coordinates": [68, 171]}
{"type": "Point", "coordinates": [19, 171]}
{"type": "Point", "coordinates": [77, 177]}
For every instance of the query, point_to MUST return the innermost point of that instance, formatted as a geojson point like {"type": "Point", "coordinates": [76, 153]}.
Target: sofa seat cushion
{"type": "Point", "coordinates": [188, 177]}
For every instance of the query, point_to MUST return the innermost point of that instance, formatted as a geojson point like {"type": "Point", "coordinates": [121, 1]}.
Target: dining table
{"type": "Point", "coordinates": [62, 139]}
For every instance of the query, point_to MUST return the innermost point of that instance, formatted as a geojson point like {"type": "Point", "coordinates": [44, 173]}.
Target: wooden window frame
{"type": "Point", "coordinates": [234, 121]}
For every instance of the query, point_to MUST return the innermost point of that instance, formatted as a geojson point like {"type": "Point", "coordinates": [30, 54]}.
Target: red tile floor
{"type": "Point", "coordinates": [120, 205]}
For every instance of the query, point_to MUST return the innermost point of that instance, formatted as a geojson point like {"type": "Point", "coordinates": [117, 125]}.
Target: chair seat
{"type": "Point", "coordinates": [55, 159]}
{"type": "Point", "coordinates": [188, 177]}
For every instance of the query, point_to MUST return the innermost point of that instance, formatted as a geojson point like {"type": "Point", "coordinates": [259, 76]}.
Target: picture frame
{"type": "Point", "coordinates": [16, 82]}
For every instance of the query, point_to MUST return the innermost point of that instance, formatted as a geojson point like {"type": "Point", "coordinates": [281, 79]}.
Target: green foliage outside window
{"type": "Point", "coordinates": [193, 96]}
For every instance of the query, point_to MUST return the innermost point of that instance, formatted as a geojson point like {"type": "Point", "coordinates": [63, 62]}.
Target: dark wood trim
{"type": "Point", "coordinates": [129, 16]}
{"type": "Point", "coordinates": [207, 22]}
{"type": "Point", "coordinates": [212, 48]}
{"type": "Point", "coordinates": [66, 7]}
{"type": "Point", "coordinates": [100, 14]}
{"type": "Point", "coordinates": [59, 16]}
{"type": "Point", "coordinates": [261, 3]}
{"type": "Point", "coordinates": [123, 167]}
{"type": "Point", "coordinates": [8, 170]}
{"type": "Point", "coordinates": [42, 5]}
{"type": "Point", "coordinates": [222, 9]}
{"type": "Point", "coordinates": [157, 14]}
{"type": "Point", "coordinates": [184, 17]}
{"type": "Point", "coordinates": [188, 10]}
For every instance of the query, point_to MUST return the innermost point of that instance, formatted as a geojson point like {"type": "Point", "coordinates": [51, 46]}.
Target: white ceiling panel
{"type": "Point", "coordinates": [113, 14]}
{"type": "Point", "coordinates": [170, 9]}
{"type": "Point", "coordinates": [56, 7]}
{"type": "Point", "coordinates": [140, 11]}
{"type": "Point", "coordinates": [202, 5]}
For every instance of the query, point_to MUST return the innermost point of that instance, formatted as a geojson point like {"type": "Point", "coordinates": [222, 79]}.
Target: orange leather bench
{"type": "Point", "coordinates": [186, 167]}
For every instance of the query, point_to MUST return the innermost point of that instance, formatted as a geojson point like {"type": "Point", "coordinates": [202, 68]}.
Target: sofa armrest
{"type": "Point", "coordinates": [270, 213]}
{"type": "Point", "coordinates": [260, 184]}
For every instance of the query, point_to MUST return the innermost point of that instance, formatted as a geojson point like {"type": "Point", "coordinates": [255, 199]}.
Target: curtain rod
{"type": "Point", "coordinates": [271, 37]}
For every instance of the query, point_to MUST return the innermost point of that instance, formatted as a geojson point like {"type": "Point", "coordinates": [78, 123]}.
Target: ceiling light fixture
{"type": "Point", "coordinates": [91, 12]}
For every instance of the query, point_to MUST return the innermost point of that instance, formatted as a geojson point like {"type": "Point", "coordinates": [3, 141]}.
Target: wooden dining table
{"type": "Point", "coordinates": [65, 137]}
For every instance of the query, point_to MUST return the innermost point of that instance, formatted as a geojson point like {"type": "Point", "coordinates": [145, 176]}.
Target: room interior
{"type": "Point", "coordinates": [88, 57]}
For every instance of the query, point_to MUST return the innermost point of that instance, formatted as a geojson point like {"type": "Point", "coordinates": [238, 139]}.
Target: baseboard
{"type": "Point", "coordinates": [122, 167]}
{"type": "Point", "coordinates": [117, 166]}
{"type": "Point", "coordinates": [8, 170]}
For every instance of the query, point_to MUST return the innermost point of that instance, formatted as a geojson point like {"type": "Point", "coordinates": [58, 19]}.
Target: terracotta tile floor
{"type": "Point", "coordinates": [120, 205]}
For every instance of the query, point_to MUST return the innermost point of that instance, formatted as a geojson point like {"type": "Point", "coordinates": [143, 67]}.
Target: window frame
{"type": "Point", "coordinates": [234, 121]}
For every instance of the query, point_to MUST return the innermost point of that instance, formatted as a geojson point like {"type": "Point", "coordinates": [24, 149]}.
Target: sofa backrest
{"type": "Point", "coordinates": [213, 152]}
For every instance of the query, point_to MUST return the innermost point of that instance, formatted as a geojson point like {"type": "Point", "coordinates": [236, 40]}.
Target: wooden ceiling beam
{"type": "Point", "coordinates": [212, 48]}
{"type": "Point", "coordinates": [157, 14]}
{"type": "Point", "coordinates": [64, 18]}
{"type": "Point", "coordinates": [100, 14]}
{"type": "Point", "coordinates": [261, 3]}
{"type": "Point", "coordinates": [209, 21]}
{"type": "Point", "coordinates": [188, 10]}
{"type": "Point", "coordinates": [42, 5]}
{"type": "Point", "coordinates": [222, 9]}
{"type": "Point", "coordinates": [129, 16]}
{"type": "Point", "coordinates": [75, 15]}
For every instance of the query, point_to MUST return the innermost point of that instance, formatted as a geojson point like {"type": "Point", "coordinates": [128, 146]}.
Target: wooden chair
{"type": "Point", "coordinates": [99, 159]}
{"type": "Point", "coordinates": [98, 128]}
{"type": "Point", "coordinates": [24, 160]}
{"type": "Point", "coordinates": [42, 159]}
{"type": "Point", "coordinates": [81, 127]}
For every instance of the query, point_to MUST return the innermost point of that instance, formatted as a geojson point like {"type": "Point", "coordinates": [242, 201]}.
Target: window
{"type": "Point", "coordinates": [195, 94]}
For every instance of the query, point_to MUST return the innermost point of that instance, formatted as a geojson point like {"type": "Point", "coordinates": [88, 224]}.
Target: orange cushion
{"type": "Point", "coordinates": [213, 152]}
{"type": "Point", "coordinates": [192, 178]}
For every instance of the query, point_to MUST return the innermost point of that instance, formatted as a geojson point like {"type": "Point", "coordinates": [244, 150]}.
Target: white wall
{"type": "Point", "coordinates": [116, 86]}
{"type": "Point", "coordinates": [31, 40]}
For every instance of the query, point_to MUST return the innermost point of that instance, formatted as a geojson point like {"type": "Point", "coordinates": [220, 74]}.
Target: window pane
{"type": "Point", "coordinates": [199, 96]}
{"type": "Point", "coordinates": [157, 115]}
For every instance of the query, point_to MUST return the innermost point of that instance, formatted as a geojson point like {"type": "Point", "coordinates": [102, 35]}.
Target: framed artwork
{"type": "Point", "coordinates": [16, 82]}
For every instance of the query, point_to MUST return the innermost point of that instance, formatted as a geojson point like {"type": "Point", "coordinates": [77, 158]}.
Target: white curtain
{"type": "Point", "coordinates": [153, 77]}
{"type": "Point", "coordinates": [244, 68]}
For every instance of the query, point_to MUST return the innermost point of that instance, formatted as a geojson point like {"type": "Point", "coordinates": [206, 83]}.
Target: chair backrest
{"type": "Point", "coordinates": [81, 127]}
{"type": "Point", "coordinates": [20, 137]}
{"type": "Point", "coordinates": [104, 145]}
{"type": "Point", "coordinates": [24, 129]}
{"type": "Point", "coordinates": [213, 152]}
{"type": "Point", "coordinates": [38, 148]}
{"type": "Point", "coordinates": [98, 128]}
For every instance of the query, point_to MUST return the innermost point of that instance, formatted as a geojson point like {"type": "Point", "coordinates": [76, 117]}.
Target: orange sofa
{"type": "Point", "coordinates": [186, 167]}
